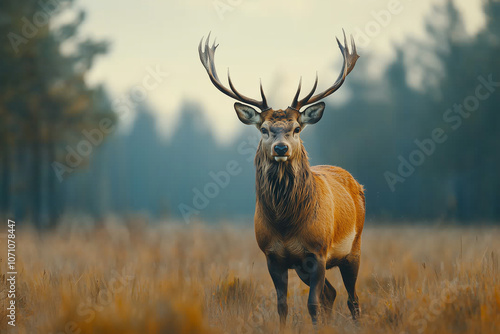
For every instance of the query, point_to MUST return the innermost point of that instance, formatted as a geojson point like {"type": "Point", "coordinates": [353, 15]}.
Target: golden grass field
{"type": "Point", "coordinates": [201, 279]}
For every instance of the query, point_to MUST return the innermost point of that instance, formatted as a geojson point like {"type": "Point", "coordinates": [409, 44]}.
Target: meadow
{"type": "Point", "coordinates": [173, 278]}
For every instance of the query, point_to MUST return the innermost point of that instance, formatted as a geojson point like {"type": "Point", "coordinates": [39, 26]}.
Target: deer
{"type": "Point", "coordinates": [307, 218]}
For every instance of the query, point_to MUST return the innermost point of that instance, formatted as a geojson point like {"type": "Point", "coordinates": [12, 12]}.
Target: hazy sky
{"type": "Point", "coordinates": [277, 41]}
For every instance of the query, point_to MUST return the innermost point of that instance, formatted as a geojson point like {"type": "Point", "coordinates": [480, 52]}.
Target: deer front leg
{"type": "Point", "coordinates": [279, 275]}
{"type": "Point", "coordinates": [317, 268]}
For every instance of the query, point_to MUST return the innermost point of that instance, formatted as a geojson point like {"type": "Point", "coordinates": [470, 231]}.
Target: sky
{"type": "Point", "coordinates": [276, 41]}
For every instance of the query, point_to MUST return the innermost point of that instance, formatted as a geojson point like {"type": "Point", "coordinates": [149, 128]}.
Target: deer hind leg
{"type": "Point", "coordinates": [327, 298]}
{"type": "Point", "coordinates": [312, 272]}
{"type": "Point", "coordinates": [328, 294]}
{"type": "Point", "coordinates": [349, 271]}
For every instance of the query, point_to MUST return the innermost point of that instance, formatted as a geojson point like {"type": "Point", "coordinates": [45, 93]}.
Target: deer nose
{"type": "Point", "coordinates": [280, 149]}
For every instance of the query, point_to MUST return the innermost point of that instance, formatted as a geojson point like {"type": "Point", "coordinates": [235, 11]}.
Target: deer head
{"type": "Point", "coordinates": [280, 128]}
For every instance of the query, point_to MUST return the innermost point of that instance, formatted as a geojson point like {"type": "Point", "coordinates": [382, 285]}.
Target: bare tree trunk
{"type": "Point", "coordinates": [54, 200]}
{"type": "Point", "coordinates": [36, 177]}
{"type": "Point", "coordinates": [5, 165]}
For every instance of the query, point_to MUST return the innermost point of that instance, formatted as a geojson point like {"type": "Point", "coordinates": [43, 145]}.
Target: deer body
{"type": "Point", "coordinates": [306, 218]}
{"type": "Point", "coordinates": [323, 215]}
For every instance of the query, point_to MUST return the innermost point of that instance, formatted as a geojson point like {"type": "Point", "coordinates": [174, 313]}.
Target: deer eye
{"type": "Point", "coordinates": [264, 131]}
{"type": "Point", "coordinates": [297, 130]}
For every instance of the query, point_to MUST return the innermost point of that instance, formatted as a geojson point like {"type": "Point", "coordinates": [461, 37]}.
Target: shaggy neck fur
{"type": "Point", "coordinates": [285, 190]}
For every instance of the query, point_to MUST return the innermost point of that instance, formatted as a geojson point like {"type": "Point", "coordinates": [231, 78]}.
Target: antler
{"type": "Point", "coordinates": [207, 59]}
{"type": "Point", "coordinates": [349, 62]}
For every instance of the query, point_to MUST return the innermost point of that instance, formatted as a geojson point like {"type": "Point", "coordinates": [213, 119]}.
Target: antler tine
{"type": "Point", "coordinates": [232, 86]}
{"type": "Point", "coordinates": [296, 97]}
{"type": "Point", "coordinates": [354, 52]}
{"type": "Point", "coordinates": [207, 57]}
{"type": "Point", "coordinates": [350, 58]}
{"type": "Point", "coordinates": [297, 104]}
{"type": "Point", "coordinates": [264, 100]}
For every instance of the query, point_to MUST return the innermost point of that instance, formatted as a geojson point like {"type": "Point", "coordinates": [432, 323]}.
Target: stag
{"type": "Point", "coordinates": [307, 218]}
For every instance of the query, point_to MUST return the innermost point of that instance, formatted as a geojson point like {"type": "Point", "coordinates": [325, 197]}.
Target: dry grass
{"type": "Point", "coordinates": [197, 279]}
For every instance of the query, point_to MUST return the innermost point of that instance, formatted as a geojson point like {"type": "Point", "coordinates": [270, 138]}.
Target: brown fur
{"type": "Point", "coordinates": [306, 213]}
{"type": "Point", "coordinates": [302, 213]}
{"type": "Point", "coordinates": [318, 206]}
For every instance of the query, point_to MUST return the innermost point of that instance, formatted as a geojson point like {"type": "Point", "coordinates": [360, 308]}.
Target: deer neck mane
{"type": "Point", "coordinates": [285, 191]}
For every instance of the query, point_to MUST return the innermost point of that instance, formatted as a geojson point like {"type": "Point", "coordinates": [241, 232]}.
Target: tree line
{"type": "Point", "coordinates": [424, 151]}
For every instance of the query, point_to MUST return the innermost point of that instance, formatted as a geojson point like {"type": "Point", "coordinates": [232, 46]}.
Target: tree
{"type": "Point", "coordinates": [43, 96]}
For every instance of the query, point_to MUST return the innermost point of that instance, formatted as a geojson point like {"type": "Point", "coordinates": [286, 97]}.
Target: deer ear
{"type": "Point", "coordinates": [247, 114]}
{"type": "Point", "coordinates": [312, 114]}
